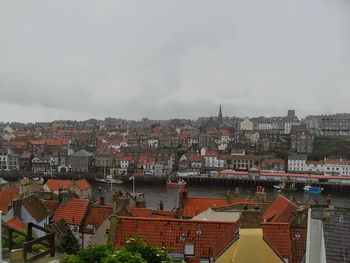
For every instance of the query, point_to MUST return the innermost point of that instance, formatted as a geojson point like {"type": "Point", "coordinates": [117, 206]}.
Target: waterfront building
{"type": "Point", "coordinates": [297, 163]}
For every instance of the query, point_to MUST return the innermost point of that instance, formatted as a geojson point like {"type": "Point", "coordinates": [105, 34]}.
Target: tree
{"type": "Point", "coordinates": [135, 251]}
{"type": "Point", "coordinates": [69, 244]}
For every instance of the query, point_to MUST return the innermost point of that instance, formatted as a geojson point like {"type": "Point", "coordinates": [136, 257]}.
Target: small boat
{"type": "Point", "coordinates": [312, 189]}
{"type": "Point", "coordinates": [179, 183]}
{"type": "Point", "coordinates": [109, 180]}
{"type": "Point", "coordinates": [278, 188]}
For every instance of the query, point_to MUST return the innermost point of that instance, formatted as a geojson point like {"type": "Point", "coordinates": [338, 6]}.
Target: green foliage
{"type": "Point", "coordinates": [69, 244]}
{"type": "Point", "coordinates": [124, 256]}
{"type": "Point", "coordinates": [331, 147]}
{"type": "Point", "coordinates": [38, 248]}
{"type": "Point", "coordinates": [18, 239]}
{"type": "Point", "coordinates": [150, 253]}
{"type": "Point", "coordinates": [136, 251]}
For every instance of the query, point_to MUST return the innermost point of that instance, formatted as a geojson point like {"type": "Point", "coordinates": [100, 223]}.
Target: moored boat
{"type": "Point", "coordinates": [312, 189]}
{"type": "Point", "coordinates": [179, 183]}
{"type": "Point", "coordinates": [108, 180]}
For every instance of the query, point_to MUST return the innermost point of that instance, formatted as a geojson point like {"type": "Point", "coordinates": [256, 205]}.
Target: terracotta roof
{"type": "Point", "coordinates": [82, 184]}
{"type": "Point", "coordinates": [97, 215]}
{"type": "Point", "coordinates": [17, 224]}
{"type": "Point", "coordinates": [7, 195]}
{"type": "Point", "coordinates": [281, 210]}
{"type": "Point", "coordinates": [51, 206]}
{"type": "Point", "coordinates": [315, 162]}
{"type": "Point", "coordinates": [281, 161]}
{"type": "Point", "coordinates": [195, 158]}
{"type": "Point", "coordinates": [209, 238]}
{"type": "Point", "coordinates": [195, 205]}
{"type": "Point", "coordinates": [72, 212]}
{"type": "Point", "coordinates": [55, 184]}
{"type": "Point", "coordinates": [35, 207]}
{"type": "Point", "coordinates": [125, 158]}
{"type": "Point", "coordinates": [337, 161]}
{"type": "Point", "coordinates": [57, 142]}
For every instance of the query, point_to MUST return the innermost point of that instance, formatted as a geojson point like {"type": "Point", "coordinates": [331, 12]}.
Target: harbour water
{"type": "Point", "coordinates": [154, 193]}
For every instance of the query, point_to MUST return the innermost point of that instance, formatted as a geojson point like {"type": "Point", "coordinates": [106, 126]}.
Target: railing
{"type": "Point", "coordinates": [47, 241]}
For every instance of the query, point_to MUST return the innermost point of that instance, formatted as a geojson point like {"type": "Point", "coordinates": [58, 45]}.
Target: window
{"type": "Point", "coordinates": [107, 231]}
{"type": "Point", "coordinates": [204, 260]}
{"type": "Point", "coordinates": [189, 249]}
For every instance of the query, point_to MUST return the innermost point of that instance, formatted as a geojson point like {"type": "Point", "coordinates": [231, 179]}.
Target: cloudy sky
{"type": "Point", "coordinates": [164, 59]}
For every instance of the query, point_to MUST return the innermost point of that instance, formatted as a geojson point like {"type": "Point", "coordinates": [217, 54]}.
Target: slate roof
{"type": "Point", "coordinates": [35, 207]}
{"type": "Point", "coordinates": [209, 238]}
{"type": "Point", "coordinates": [337, 236]}
{"type": "Point", "coordinates": [7, 195]}
{"type": "Point", "coordinates": [72, 212]}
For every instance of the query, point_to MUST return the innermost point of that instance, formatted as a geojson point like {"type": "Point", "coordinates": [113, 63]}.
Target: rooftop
{"type": "Point", "coordinates": [72, 212]}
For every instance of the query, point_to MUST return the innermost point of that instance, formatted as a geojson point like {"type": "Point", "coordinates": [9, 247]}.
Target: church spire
{"type": "Point", "coordinates": [220, 115]}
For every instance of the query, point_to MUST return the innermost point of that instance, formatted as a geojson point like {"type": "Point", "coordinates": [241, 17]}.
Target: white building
{"type": "Point", "coordinates": [246, 125]}
{"type": "Point", "coordinates": [288, 126]}
{"type": "Point", "coordinates": [264, 126]}
{"type": "Point", "coordinates": [152, 143]}
{"type": "Point", "coordinates": [316, 167]}
{"type": "Point", "coordinates": [297, 163]}
{"type": "Point", "coordinates": [339, 167]}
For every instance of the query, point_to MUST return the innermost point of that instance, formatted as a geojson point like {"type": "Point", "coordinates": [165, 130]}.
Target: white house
{"type": "Point", "coordinates": [297, 163]}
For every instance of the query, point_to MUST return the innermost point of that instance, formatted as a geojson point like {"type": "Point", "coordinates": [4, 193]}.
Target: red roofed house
{"type": "Point", "coordinates": [284, 229]}
{"type": "Point", "coordinates": [7, 195]}
{"type": "Point", "coordinates": [190, 240]}
{"type": "Point", "coordinates": [81, 188]}
{"type": "Point", "coordinates": [95, 217]}
{"type": "Point", "coordinates": [125, 161]}
{"type": "Point", "coordinates": [73, 212]}
{"type": "Point", "coordinates": [54, 185]}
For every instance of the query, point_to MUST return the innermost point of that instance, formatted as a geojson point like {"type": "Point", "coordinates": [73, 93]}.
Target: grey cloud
{"type": "Point", "coordinates": [164, 59]}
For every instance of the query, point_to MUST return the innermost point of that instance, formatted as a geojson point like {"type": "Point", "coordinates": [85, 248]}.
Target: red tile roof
{"type": "Point", "coordinates": [196, 205]}
{"type": "Point", "coordinates": [272, 161]}
{"type": "Point", "coordinates": [7, 195]}
{"type": "Point", "coordinates": [173, 234]}
{"type": "Point", "coordinates": [72, 212]}
{"type": "Point", "coordinates": [97, 215]}
{"type": "Point", "coordinates": [195, 158]}
{"type": "Point", "coordinates": [281, 210]}
{"type": "Point", "coordinates": [55, 184]}
{"type": "Point", "coordinates": [82, 184]}
{"type": "Point", "coordinates": [17, 224]}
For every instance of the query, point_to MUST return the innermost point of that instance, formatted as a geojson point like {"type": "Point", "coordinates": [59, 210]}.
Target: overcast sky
{"type": "Point", "coordinates": [167, 59]}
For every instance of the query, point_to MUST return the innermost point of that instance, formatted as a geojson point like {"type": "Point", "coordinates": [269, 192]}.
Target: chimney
{"type": "Point", "coordinates": [120, 201]}
{"type": "Point", "coordinates": [17, 209]}
{"type": "Point", "coordinates": [102, 200]}
{"type": "Point", "coordinates": [161, 205]}
{"type": "Point", "coordinates": [182, 197]}
{"type": "Point", "coordinates": [62, 196]}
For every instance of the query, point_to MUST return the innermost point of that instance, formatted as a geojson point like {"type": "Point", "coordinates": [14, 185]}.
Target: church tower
{"type": "Point", "coordinates": [220, 115]}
